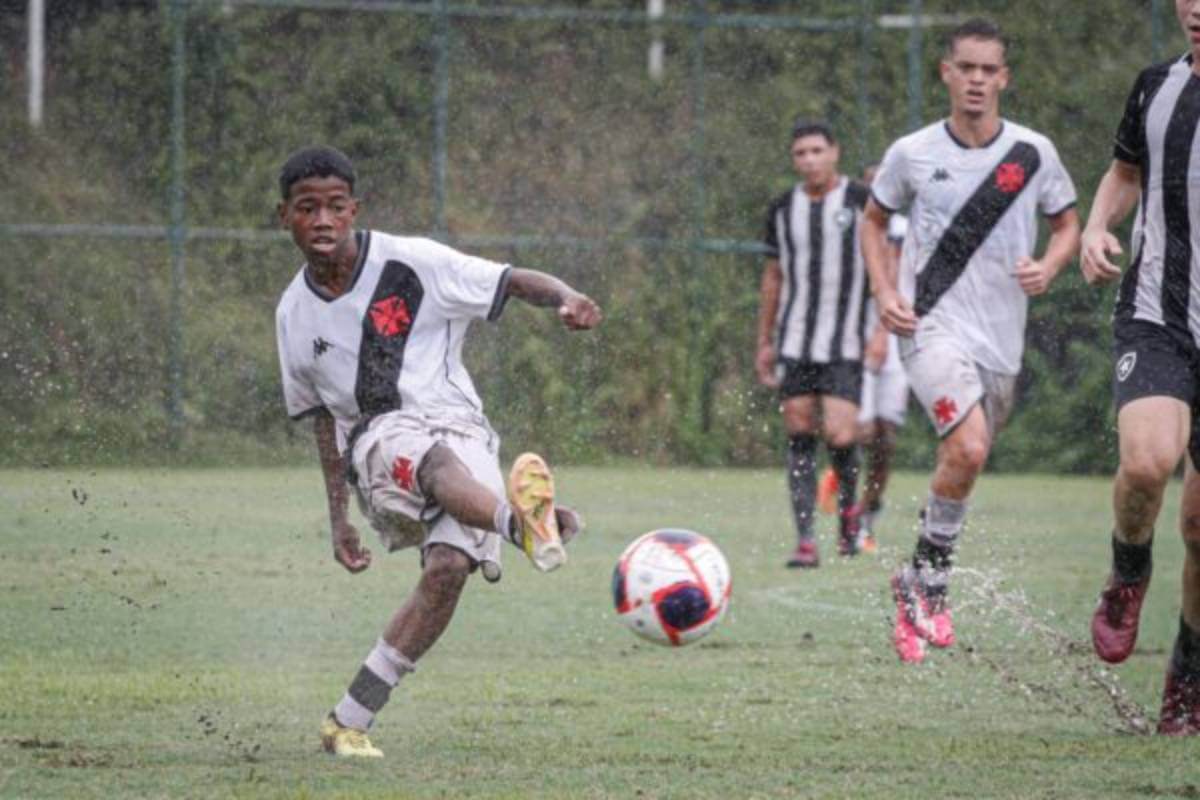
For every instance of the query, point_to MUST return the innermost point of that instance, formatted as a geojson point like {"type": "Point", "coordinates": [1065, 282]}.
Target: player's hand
{"type": "Point", "coordinates": [579, 312]}
{"type": "Point", "coordinates": [764, 366]}
{"type": "Point", "coordinates": [1033, 276]}
{"type": "Point", "coordinates": [896, 314]}
{"type": "Point", "coordinates": [1095, 248]}
{"type": "Point", "coordinates": [876, 350]}
{"type": "Point", "coordinates": [347, 550]}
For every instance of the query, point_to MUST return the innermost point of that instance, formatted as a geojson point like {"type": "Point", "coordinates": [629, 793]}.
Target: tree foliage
{"type": "Point", "coordinates": [554, 130]}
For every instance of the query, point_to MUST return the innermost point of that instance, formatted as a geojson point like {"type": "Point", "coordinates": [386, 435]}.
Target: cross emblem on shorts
{"type": "Point", "coordinates": [945, 410]}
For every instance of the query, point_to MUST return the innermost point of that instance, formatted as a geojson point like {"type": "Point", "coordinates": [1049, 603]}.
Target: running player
{"type": "Point", "coordinates": [1156, 333]}
{"type": "Point", "coordinates": [370, 335]}
{"type": "Point", "coordinates": [884, 396]}
{"type": "Point", "coordinates": [810, 328]}
{"type": "Point", "coordinates": [973, 184]}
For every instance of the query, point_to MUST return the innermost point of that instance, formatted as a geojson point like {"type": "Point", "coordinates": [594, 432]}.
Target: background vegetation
{"type": "Point", "coordinates": [554, 130]}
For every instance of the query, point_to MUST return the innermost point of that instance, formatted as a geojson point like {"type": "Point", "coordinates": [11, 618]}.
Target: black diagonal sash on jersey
{"type": "Point", "coordinates": [385, 328]}
{"type": "Point", "coordinates": [974, 222]}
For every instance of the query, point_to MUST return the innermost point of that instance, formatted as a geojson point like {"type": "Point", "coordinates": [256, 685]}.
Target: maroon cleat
{"type": "Point", "coordinates": [1115, 623]}
{"type": "Point", "coordinates": [849, 531]}
{"type": "Point", "coordinates": [806, 556]}
{"type": "Point", "coordinates": [1180, 705]}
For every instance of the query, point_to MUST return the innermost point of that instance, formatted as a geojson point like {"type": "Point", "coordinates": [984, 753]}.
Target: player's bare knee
{"type": "Point", "coordinates": [439, 465]}
{"type": "Point", "coordinates": [1147, 472]}
{"type": "Point", "coordinates": [445, 572]}
{"type": "Point", "coordinates": [840, 439]}
{"type": "Point", "coordinates": [968, 453]}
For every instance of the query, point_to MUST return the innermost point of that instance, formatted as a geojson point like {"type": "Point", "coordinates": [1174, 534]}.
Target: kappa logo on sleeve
{"type": "Point", "coordinates": [1125, 365]}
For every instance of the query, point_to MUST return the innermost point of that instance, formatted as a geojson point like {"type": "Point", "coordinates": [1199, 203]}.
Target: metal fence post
{"type": "Point", "coordinates": [441, 93]}
{"type": "Point", "coordinates": [1156, 30]}
{"type": "Point", "coordinates": [177, 234]}
{"type": "Point", "coordinates": [916, 99]}
{"type": "Point", "coordinates": [861, 78]}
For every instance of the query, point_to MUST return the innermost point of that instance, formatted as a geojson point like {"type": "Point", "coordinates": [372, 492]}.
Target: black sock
{"type": "Point", "coordinates": [1131, 562]}
{"type": "Point", "coordinates": [1185, 659]}
{"type": "Point", "coordinates": [802, 480]}
{"type": "Point", "coordinates": [845, 464]}
{"type": "Point", "coordinates": [932, 562]}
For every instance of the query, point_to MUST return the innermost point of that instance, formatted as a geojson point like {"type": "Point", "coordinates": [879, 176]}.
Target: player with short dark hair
{"type": "Point", "coordinates": [1156, 347]}
{"type": "Point", "coordinates": [973, 184]}
{"type": "Point", "coordinates": [810, 328]}
{"type": "Point", "coordinates": [370, 334]}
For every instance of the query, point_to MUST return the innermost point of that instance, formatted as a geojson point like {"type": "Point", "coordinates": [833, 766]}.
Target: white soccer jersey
{"type": "Point", "coordinates": [1160, 133]}
{"type": "Point", "coordinates": [820, 317]}
{"type": "Point", "coordinates": [972, 215]}
{"type": "Point", "coordinates": [394, 339]}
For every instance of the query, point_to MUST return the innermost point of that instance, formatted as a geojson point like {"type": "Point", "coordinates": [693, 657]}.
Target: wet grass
{"type": "Point", "coordinates": [181, 633]}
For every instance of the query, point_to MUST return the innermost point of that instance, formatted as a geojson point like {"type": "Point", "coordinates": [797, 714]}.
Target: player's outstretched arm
{"type": "Point", "coordinates": [347, 549]}
{"type": "Point", "coordinates": [1115, 197]}
{"type": "Point", "coordinates": [764, 356]}
{"type": "Point", "coordinates": [894, 311]}
{"type": "Point", "coordinates": [1035, 277]}
{"type": "Point", "coordinates": [577, 311]}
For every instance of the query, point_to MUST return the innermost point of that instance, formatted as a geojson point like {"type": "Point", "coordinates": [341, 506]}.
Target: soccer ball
{"type": "Point", "coordinates": [671, 586]}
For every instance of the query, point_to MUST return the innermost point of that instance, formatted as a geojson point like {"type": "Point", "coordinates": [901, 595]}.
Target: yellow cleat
{"type": "Point", "coordinates": [531, 495]}
{"type": "Point", "coordinates": [349, 742]}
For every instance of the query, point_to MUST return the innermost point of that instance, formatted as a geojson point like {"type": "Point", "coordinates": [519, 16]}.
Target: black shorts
{"type": "Point", "coordinates": [837, 378]}
{"type": "Point", "coordinates": [1152, 361]}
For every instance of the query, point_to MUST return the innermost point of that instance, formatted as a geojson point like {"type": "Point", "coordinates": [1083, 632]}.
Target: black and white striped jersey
{"type": "Point", "coordinates": [1159, 134]}
{"type": "Point", "coordinates": [822, 299]}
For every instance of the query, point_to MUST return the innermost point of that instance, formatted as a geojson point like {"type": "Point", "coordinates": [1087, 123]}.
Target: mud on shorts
{"type": "Point", "coordinates": [884, 395]}
{"type": "Point", "coordinates": [387, 457]}
{"type": "Point", "coordinates": [1150, 360]}
{"type": "Point", "coordinates": [948, 382]}
{"type": "Point", "coordinates": [837, 378]}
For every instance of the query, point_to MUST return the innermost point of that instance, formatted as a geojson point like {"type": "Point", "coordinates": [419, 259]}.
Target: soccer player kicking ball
{"type": "Point", "coordinates": [810, 342]}
{"type": "Point", "coordinates": [370, 335]}
{"type": "Point", "coordinates": [973, 185]}
{"type": "Point", "coordinates": [1156, 334]}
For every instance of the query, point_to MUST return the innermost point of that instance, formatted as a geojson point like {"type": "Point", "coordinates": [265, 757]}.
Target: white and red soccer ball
{"type": "Point", "coordinates": [671, 586]}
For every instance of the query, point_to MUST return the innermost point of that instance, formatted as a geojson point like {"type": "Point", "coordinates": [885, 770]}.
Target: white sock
{"type": "Point", "coordinates": [372, 686]}
{"type": "Point", "coordinates": [503, 521]}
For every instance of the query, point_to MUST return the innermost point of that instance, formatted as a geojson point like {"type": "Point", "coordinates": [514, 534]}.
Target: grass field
{"type": "Point", "coordinates": [181, 634]}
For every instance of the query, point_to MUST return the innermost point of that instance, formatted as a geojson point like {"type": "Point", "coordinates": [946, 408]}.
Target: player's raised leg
{"type": "Point", "coordinates": [839, 425]}
{"type": "Point", "coordinates": [1153, 433]}
{"type": "Point", "coordinates": [1180, 714]}
{"type": "Point", "coordinates": [800, 421]}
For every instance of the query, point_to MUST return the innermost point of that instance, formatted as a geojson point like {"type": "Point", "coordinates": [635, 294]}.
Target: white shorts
{"type": "Point", "coordinates": [386, 458]}
{"type": "Point", "coordinates": [884, 395]}
{"type": "Point", "coordinates": [948, 382]}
